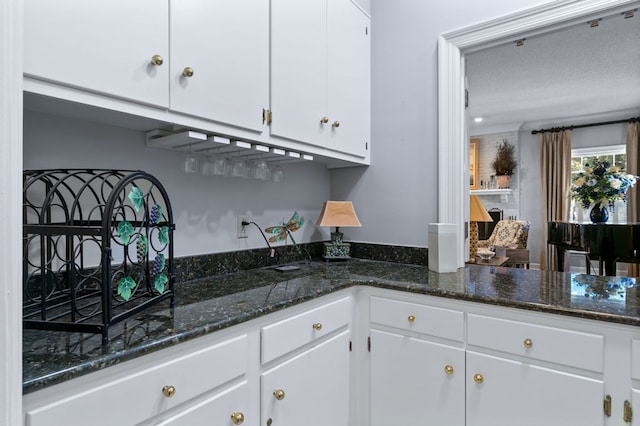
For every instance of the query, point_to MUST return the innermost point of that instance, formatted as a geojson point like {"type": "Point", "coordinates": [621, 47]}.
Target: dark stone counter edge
{"type": "Point", "coordinates": [119, 357]}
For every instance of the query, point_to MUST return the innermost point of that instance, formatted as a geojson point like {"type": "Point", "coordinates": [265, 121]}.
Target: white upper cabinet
{"type": "Point", "coordinates": [101, 46]}
{"type": "Point", "coordinates": [200, 58]}
{"type": "Point", "coordinates": [226, 45]}
{"type": "Point", "coordinates": [349, 78]}
{"type": "Point", "coordinates": [285, 73]}
{"type": "Point", "coordinates": [320, 74]}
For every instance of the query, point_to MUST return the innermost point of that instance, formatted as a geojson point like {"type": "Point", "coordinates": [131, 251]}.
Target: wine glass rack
{"type": "Point", "coordinates": [97, 248]}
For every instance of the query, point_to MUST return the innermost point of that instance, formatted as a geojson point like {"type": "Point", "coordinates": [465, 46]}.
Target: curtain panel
{"type": "Point", "coordinates": [555, 171]}
{"type": "Point", "coordinates": [633, 167]}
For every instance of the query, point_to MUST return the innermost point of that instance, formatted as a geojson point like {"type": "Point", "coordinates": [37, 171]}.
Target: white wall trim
{"type": "Point", "coordinates": [11, 212]}
{"type": "Point", "coordinates": [452, 124]}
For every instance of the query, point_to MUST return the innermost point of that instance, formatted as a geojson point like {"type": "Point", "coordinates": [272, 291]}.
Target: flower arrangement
{"type": "Point", "coordinates": [505, 160]}
{"type": "Point", "coordinates": [601, 184]}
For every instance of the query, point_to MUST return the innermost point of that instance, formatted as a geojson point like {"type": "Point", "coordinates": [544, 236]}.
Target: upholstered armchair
{"type": "Point", "coordinates": [512, 236]}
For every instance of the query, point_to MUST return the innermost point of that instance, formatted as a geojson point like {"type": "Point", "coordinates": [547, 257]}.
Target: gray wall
{"type": "Point", "coordinates": [205, 208]}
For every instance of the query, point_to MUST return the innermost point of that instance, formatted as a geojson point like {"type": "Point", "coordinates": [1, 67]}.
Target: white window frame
{"type": "Point", "coordinates": [576, 211]}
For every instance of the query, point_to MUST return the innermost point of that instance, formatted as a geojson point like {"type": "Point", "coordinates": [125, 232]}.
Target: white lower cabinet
{"type": "Point", "coordinates": [456, 363]}
{"type": "Point", "coordinates": [413, 380]}
{"type": "Point", "coordinates": [503, 392]}
{"type": "Point", "coordinates": [222, 378]}
{"type": "Point", "coordinates": [634, 402]}
{"type": "Point", "coordinates": [310, 389]}
{"type": "Point", "coordinates": [141, 389]}
{"type": "Point", "coordinates": [429, 361]}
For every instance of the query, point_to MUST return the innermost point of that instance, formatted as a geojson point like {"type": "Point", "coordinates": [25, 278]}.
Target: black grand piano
{"type": "Point", "coordinates": [608, 242]}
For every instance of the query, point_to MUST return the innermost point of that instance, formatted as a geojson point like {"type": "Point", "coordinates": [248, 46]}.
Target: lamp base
{"type": "Point", "coordinates": [339, 251]}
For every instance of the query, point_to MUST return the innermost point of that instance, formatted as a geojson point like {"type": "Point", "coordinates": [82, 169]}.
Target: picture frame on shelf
{"type": "Point", "coordinates": [473, 163]}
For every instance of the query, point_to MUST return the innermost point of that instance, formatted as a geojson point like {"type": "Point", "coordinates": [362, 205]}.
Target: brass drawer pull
{"type": "Point", "coordinates": [478, 378]}
{"type": "Point", "coordinates": [237, 418]}
{"type": "Point", "coordinates": [187, 72]}
{"type": "Point", "coordinates": [279, 394]}
{"type": "Point", "coordinates": [448, 370]}
{"type": "Point", "coordinates": [168, 391]}
{"type": "Point", "coordinates": [528, 343]}
{"type": "Point", "coordinates": [411, 318]}
{"type": "Point", "coordinates": [317, 326]}
{"type": "Point", "coordinates": [157, 60]}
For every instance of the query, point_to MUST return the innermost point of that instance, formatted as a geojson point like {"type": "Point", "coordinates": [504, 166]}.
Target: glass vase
{"type": "Point", "coordinates": [599, 214]}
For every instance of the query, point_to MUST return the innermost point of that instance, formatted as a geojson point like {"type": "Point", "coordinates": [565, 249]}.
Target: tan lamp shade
{"type": "Point", "coordinates": [338, 213]}
{"type": "Point", "coordinates": [477, 212]}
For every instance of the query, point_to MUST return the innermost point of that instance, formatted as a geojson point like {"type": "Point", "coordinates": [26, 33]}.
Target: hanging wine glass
{"type": "Point", "coordinates": [277, 174]}
{"type": "Point", "coordinates": [260, 170]}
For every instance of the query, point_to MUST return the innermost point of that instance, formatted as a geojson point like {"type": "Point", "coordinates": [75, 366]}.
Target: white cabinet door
{"type": "Point", "coordinates": [102, 46]}
{"type": "Point", "coordinates": [299, 70]}
{"type": "Point", "coordinates": [226, 44]}
{"type": "Point", "coordinates": [320, 74]}
{"type": "Point", "coordinates": [415, 382]}
{"type": "Point", "coordinates": [315, 386]}
{"type": "Point", "coordinates": [349, 80]}
{"type": "Point", "coordinates": [507, 392]}
{"type": "Point", "coordinates": [216, 410]}
{"type": "Point", "coordinates": [635, 405]}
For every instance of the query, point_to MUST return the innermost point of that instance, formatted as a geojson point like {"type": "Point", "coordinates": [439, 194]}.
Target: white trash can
{"type": "Point", "coordinates": [442, 247]}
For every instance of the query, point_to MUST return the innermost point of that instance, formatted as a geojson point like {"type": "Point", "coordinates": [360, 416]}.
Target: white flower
{"type": "Point", "coordinates": [615, 183]}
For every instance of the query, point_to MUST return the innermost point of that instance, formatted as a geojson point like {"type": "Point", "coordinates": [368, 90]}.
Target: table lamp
{"type": "Point", "coordinates": [477, 213]}
{"type": "Point", "coordinates": [337, 213]}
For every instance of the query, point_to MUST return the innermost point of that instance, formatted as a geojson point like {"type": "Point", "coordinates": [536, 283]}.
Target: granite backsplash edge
{"type": "Point", "coordinates": [206, 265]}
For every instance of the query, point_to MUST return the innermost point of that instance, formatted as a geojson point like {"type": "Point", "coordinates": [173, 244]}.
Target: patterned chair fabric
{"type": "Point", "coordinates": [511, 234]}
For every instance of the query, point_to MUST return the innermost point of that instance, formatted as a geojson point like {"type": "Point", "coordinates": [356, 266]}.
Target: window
{"type": "Point", "coordinates": [613, 154]}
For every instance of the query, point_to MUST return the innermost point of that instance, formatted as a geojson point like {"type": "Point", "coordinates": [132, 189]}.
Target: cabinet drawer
{"type": "Point", "coordinates": [570, 348]}
{"type": "Point", "coordinates": [138, 396]}
{"type": "Point", "coordinates": [216, 410]}
{"type": "Point", "coordinates": [635, 359]}
{"type": "Point", "coordinates": [419, 318]}
{"type": "Point", "coordinates": [291, 333]}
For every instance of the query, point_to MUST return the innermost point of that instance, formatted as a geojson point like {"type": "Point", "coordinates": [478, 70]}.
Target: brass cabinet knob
{"type": "Point", "coordinates": [187, 72]}
{"type": "Point", "coordinates": [317, 326]}
{"type": "Point", "coordinates": [168, 391]}
{"type": "Point", "coordinates": [279, 394]}
{"type": "Point", "coordinates": [411, 318]}
{"type": "Point", "coordinates": [527, 343]}
{"type": "Point", "coordinates": [448, 370]}
{"type": "Point", "coordinates": [478, 378]}
{"type": "Point", "coordinates": [324, 120]}
{"type": "Point", "coordinates": [157, 60]}
{"type": "Point", "coordinates": [336, 124]}
{"type": "Point", "coordinates": [237, 418]}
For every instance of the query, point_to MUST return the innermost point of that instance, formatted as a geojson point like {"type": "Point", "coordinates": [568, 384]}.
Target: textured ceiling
{"type": "Point", "coordinates": [575, 72]}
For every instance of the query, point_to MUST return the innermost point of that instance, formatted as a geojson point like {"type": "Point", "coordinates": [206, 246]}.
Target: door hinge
{"type": "Point", "coordinates": [350, 346]}
{"type": "Point", "coordinates": [466, 98]}
{"type": "Point", "coordinates": [369, 343]}
{"type": "Point", "coordinates": [366, 146]}
{"type": "Point", "coordinates": [606, 405]}
{"type": "Point", "coordinates": [628, 412]}
{"type": "Point", "coordinates": [366, 30]}
{"type": "Point", "coordinates": [267, 116]}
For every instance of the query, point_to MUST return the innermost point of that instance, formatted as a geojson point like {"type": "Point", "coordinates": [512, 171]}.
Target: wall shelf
{"type": "Point", "coordinates": [503, 193]}
{"type": "Point", "coordinates": [490, 191]}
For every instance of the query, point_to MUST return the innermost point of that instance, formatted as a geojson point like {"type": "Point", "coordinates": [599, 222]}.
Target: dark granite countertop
{"type": "Point", "coordinates": [217, 302]}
